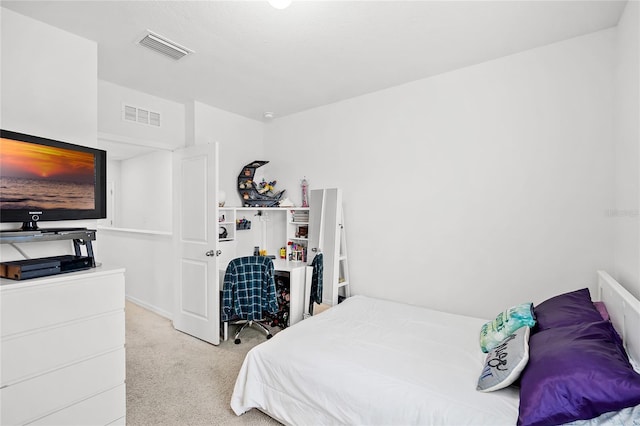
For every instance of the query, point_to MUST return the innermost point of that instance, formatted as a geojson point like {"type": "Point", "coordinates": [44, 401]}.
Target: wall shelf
{"type": "Point", "coordinates": [228, 215]}
{"type": "Point", "coordinates": [8, 237]}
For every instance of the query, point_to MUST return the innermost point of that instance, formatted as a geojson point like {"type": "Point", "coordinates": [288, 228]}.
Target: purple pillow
{"type": "Point", "coordinates": [571, 308]}
{"type": "Point", "coordinates": [576, 373]}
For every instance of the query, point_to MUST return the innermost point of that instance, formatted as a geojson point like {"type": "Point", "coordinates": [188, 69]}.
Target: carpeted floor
{"type": "Point", "coordinates": [176, 379]}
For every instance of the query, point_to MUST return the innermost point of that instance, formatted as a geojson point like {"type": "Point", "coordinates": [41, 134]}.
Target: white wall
{"type": "Point", "coordinates": [49, 89]}
{"type": "Point", "coordinates": [146, 177]}
{"type": "Point", "coordinates": [111, 99]}
{"type": "Point", "coordinates": [240, 142]}
{"type": "Point", "coordinates": [489, 183]}
{"type": "Point", "coordinates": [49, 85]}
{"type": "Point", "coordinates": [143, 183]}
{"type": "Point", "coordinates": [627, 140]}
{"type": "Point", "coordinates": [148, 260]}
{"type": "Point", "coordinates": [140, 237]}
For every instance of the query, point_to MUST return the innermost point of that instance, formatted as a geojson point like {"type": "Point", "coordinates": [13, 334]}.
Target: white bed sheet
{"type": "Point", "coordinates": [374, 362]}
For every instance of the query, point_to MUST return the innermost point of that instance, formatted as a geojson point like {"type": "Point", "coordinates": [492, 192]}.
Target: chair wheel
{"type": "Point", "coordinates": [237, 341]}
{"type": "Point", "coordinates": [269, 336]}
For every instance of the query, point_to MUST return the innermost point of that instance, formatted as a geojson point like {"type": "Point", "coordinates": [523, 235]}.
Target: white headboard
{"type": "Point", "coordinates": [624, 311]}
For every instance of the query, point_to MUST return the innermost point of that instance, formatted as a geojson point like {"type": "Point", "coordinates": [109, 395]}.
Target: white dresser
{"type": "Point", "coordinates": [62, 349]}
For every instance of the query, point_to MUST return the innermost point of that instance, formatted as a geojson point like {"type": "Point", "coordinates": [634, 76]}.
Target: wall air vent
{"type": "Point", "coordinates": [154, 119]}
{"type": "Point", "coordinates": [141, 116]}
{"type": "Point", "coordinates": [164, 46]}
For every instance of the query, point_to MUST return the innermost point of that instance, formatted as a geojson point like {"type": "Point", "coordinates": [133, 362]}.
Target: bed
{"type": "Point", "coordinates": [370, 361]}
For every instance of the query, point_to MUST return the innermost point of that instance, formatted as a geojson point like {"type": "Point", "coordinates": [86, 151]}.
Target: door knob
{"type": "Point", "coordinates": [211, 253]}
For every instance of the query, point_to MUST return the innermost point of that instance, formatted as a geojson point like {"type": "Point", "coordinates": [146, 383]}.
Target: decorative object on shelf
{"type": "Point", "coordinates": [302, 232]}
{"type": "Point", "coordinates": [222, 198]}
{"type": "Point", "coordinates": [305, 193]}
{"type": "Point", "coordinates": [222, 232]}
{"type": "Point", "coordinates": [267, 187]}
{"type": "Point", "coordinates": [243, 224]}
{"type": "Point", "coordinates": [254, 194]}
{"type": "Point", "coordinates": [300, 216]}
{"type": "Point", "coordinates": [285, 202]}
{"type": "Point", "coordinates": [298, 252]}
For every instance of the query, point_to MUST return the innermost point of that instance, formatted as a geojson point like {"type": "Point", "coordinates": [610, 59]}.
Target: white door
{"type": "Point", "coordinates": [197, 296]}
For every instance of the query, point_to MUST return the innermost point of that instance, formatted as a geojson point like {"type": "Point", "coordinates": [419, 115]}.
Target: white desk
{"type": "Point", "coordinates": [297, 284]}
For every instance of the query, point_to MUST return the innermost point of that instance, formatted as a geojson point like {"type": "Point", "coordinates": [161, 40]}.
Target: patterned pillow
{"type": "Point", "coordinates": [505, 362]}
{"type": "Point", "coordinates": [505, 324]}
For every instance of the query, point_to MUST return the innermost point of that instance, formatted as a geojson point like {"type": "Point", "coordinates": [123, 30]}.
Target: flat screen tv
{"type": "Point", "coordinates": [46, 180]}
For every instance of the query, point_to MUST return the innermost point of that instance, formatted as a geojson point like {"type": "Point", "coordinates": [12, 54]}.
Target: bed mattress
{"type": "Point", "coordinates": [376, 362]}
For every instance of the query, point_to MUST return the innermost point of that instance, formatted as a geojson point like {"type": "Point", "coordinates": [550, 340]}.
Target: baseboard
{"type": "Point", "coordinates": [149, 307]}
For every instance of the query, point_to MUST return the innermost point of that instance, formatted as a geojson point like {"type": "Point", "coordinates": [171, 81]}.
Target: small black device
{"type": "Point", "coordinates": [44, 266]}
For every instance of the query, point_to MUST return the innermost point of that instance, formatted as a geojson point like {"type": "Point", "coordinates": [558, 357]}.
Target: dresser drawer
{"type": "Point", "coordinates": [28, 354]}
{"type": "Point", "coordinates": [103, 409]}
{"type": "Point", "coordinates": [44, 395]}
{"type": "Point", "coordinates": [55, 302]}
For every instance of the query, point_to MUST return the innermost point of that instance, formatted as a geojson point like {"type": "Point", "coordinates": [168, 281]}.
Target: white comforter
{"type": "Point", "coordinates": [373, 362]}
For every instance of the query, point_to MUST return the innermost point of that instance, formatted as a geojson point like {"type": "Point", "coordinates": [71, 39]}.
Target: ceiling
{"type": "Point", "coordinates": [251, 58]}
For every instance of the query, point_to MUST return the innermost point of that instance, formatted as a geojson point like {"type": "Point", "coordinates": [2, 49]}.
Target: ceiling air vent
{"type": "Point", "coordinates": [141, 116]}
{"type": "Point", "coordinates": [162, 45]}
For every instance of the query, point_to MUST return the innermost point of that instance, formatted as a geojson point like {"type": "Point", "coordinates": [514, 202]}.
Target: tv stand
{"type": "Point", "coordinates": [80, 236]}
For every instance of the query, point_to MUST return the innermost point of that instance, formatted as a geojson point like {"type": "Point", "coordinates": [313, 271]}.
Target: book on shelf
{"type": "Point", "coordinates": [301, 217]}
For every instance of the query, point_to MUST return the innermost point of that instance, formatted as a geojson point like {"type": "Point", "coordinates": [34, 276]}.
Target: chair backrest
{"type": "Point", "coordinates": [249, 288]}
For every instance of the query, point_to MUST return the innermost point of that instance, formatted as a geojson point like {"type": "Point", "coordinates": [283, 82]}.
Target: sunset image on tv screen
{"type": "Point", "coordinates": [40, 177]}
